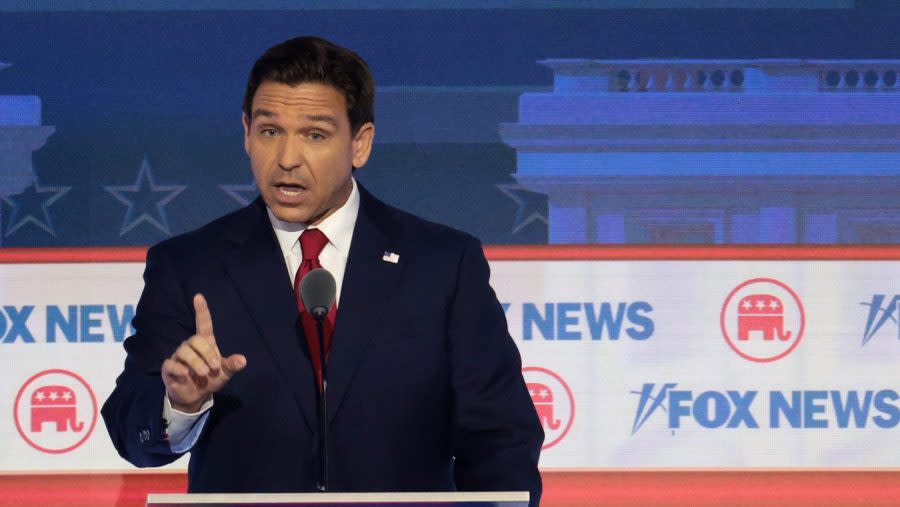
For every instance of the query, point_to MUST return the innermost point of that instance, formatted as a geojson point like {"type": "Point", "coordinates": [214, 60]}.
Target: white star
{"type": "Point", "coordinates": [531, 393]}
{"type": "Point", "coordinates": [141, 200]}
{"type": "Point", "coordinates": [746, 304]}
{"type": "Point", "coordinates": [521, 221]}
{"type": "Point", "coordinates": [243, 194]}
{"type": "Point", "coordinates": [32, 207]}
{"type": "Point", "coordinates": [760, 304]}
{"type": "Point", "coordinates": [545, 394]}
{"type": "Point", "coordinates": [39, 396]}
{"type": "Point", "coordinates": [53, 395]}
{"type": "Point", "coordinates": [67, 396]}
{"type": "Point", "coordinates": [773, 304]}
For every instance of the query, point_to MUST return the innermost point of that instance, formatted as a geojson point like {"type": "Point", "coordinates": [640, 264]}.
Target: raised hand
{"type": "Point", "coordinates": [197, 369]}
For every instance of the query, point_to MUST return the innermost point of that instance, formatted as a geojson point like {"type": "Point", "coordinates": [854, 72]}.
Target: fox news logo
{"type": "Point", "coordinates": [774, 409]}
{"type": "Point", "coordinates": [583, 321]}
{"type": "Point", "coordinates": [880, 314]}
{"type": "Point", "coordinates": [72, 323]}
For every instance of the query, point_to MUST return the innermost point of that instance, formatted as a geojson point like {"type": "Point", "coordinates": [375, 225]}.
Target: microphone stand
{"type": "Point", "coordinates": [317, 291]}
{"type": "Point", "coordinates": [319, 314]}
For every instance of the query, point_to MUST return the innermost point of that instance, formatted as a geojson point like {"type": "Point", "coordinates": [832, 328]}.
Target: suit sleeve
{"type": "Point", "coordinates": [133, 412]}
{"type": "Point", "coordinates": [497, 437]}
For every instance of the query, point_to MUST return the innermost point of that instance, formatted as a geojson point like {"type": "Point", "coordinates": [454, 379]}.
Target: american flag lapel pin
{"type": "Point", "coordinates": [390, 257]}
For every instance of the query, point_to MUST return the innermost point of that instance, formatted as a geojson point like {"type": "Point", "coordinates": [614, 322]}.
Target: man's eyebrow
{"type": "Point", "coordinates": [322, 118]}
{"type": "Point", "coordinates": [262, 112]}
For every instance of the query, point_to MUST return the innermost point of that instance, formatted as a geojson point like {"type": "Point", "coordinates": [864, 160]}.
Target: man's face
{"type": "Point", "coordinates": [301, 149]}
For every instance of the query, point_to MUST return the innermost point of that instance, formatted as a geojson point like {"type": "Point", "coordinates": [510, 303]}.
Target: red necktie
{"type": "Point", "coordinates": [312, 241]}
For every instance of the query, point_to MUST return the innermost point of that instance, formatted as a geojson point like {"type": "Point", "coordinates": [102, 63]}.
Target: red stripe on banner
{"type": "Point", "coordinates": [72, 254]}
{"type": "Point", "coordinates": [693, 252]}
{"type": "Point", "coordinates": [561, 489]}
{"type": "Point", "coordinates": [526, 253]}
{"type": "Point", "coordinates": [83, 490]}
{"type": "Point", "coordinates": [715, 488]}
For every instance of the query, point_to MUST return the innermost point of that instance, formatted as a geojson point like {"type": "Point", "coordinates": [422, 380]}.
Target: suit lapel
{"type": "Point", "coordinates": [256, 265]}
{"type": "Point", "coordinates": [365, 296]}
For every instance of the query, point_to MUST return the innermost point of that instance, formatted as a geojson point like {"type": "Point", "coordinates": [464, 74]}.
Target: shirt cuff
{"type": "Point", "coordinates": [184, 429]}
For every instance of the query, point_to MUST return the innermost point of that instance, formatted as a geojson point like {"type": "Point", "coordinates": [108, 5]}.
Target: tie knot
{"type": "Point", "coordinates": [312, 241]}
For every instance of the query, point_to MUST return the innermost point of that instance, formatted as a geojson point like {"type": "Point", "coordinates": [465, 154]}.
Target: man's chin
{"type": "Point", "coordinates": [292, 215]}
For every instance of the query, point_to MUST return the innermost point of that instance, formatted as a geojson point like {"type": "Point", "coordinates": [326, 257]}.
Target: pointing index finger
{"type": "Point", "coordinates": [202, 319]}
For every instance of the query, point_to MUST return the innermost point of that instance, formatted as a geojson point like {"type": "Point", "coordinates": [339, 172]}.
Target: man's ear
{"type": "Point", "coordinates": [245, 120]}
{"type": "Point", "coordinates": [362, 144]}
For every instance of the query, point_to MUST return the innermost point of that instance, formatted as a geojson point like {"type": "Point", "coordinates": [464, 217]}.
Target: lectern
{"type": "Point", "coordinates": [458, 499]}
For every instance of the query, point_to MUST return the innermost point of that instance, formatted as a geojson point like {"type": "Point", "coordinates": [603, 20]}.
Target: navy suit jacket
{"type": "Point", "coordinates": [425, 391]}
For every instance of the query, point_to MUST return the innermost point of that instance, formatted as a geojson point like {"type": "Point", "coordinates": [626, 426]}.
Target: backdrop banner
{"type": "Point", "coordinates": [631, 364]}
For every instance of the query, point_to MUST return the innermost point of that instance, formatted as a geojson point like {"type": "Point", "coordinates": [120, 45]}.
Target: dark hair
{"type": "Point", "coordinates": [316, 60]}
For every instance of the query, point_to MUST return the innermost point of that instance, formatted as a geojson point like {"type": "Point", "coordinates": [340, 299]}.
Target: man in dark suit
{"type": "Point", "coordinates": [424, 385]}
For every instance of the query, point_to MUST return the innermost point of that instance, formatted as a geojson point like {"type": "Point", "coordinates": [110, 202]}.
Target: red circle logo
{"type": "Point", "coordinates": [55, 411]}
{"type": "Point", "coordinates": [762, 320]}
{"type": "Point", "coordinates": [553, 401]}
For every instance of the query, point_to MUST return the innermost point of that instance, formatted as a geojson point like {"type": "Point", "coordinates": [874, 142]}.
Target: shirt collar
{"type": "Point", "coordinates": [338, 226]}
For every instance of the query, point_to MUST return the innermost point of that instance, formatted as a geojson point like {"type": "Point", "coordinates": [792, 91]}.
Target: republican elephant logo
{"type": "Point", "coordinates": [56, 405]}
{"type": "Point", "coordinates": [761, 312]}
{"type": "Point", "coordinates": [542, 397]}
{"type": "Point", "coordinates": [55, 411]}
{"type": "Point", "coordinates": [763, 319]}
{"type": "Point", "coordinates": [553, 401]}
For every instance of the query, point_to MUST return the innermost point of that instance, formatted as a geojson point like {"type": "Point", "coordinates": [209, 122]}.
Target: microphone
{"type": "Point", "coordinates": [317, 291]}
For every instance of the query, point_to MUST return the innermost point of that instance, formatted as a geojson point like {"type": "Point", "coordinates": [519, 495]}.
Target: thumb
{"type": "Point", "coordinates": [234, 363]}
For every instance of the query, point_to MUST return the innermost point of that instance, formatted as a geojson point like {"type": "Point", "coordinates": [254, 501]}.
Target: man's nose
{"type": "Point", "coordinates": [290, 155]}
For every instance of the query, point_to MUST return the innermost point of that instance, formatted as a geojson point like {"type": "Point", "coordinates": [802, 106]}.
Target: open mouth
{"type": "Point", "coordinates": [290, 187]}
{"type": "Point", "coordinates": [290, 190]}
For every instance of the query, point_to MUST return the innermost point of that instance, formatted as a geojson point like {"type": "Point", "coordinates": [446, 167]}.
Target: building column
{"type": "Point", "coordinates": [744, 228]}
{"type": "Point", "coordinates": [820, 228]}
{"type": "Point", "coordinates": [569, 217]}
{"type": "Point", "coordinates": [778, 225]}
{"type": "Point", "coordinates": [609, 228]}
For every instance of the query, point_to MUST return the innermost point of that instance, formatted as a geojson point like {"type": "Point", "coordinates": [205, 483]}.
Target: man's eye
{"type": "Point", "coordinates": [316, 136]}
{"type": "Point", "coordinates": [269, 132]}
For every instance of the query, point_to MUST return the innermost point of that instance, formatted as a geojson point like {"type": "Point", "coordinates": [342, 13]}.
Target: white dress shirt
{"type": "Point", "coordinates": [184, 428]}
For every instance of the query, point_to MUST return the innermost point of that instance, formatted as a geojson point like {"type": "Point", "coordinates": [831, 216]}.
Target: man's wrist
{"type": "Point", "coordinates": [187, 409]}
{"type": "Point", "coordinates": [183, 429]}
